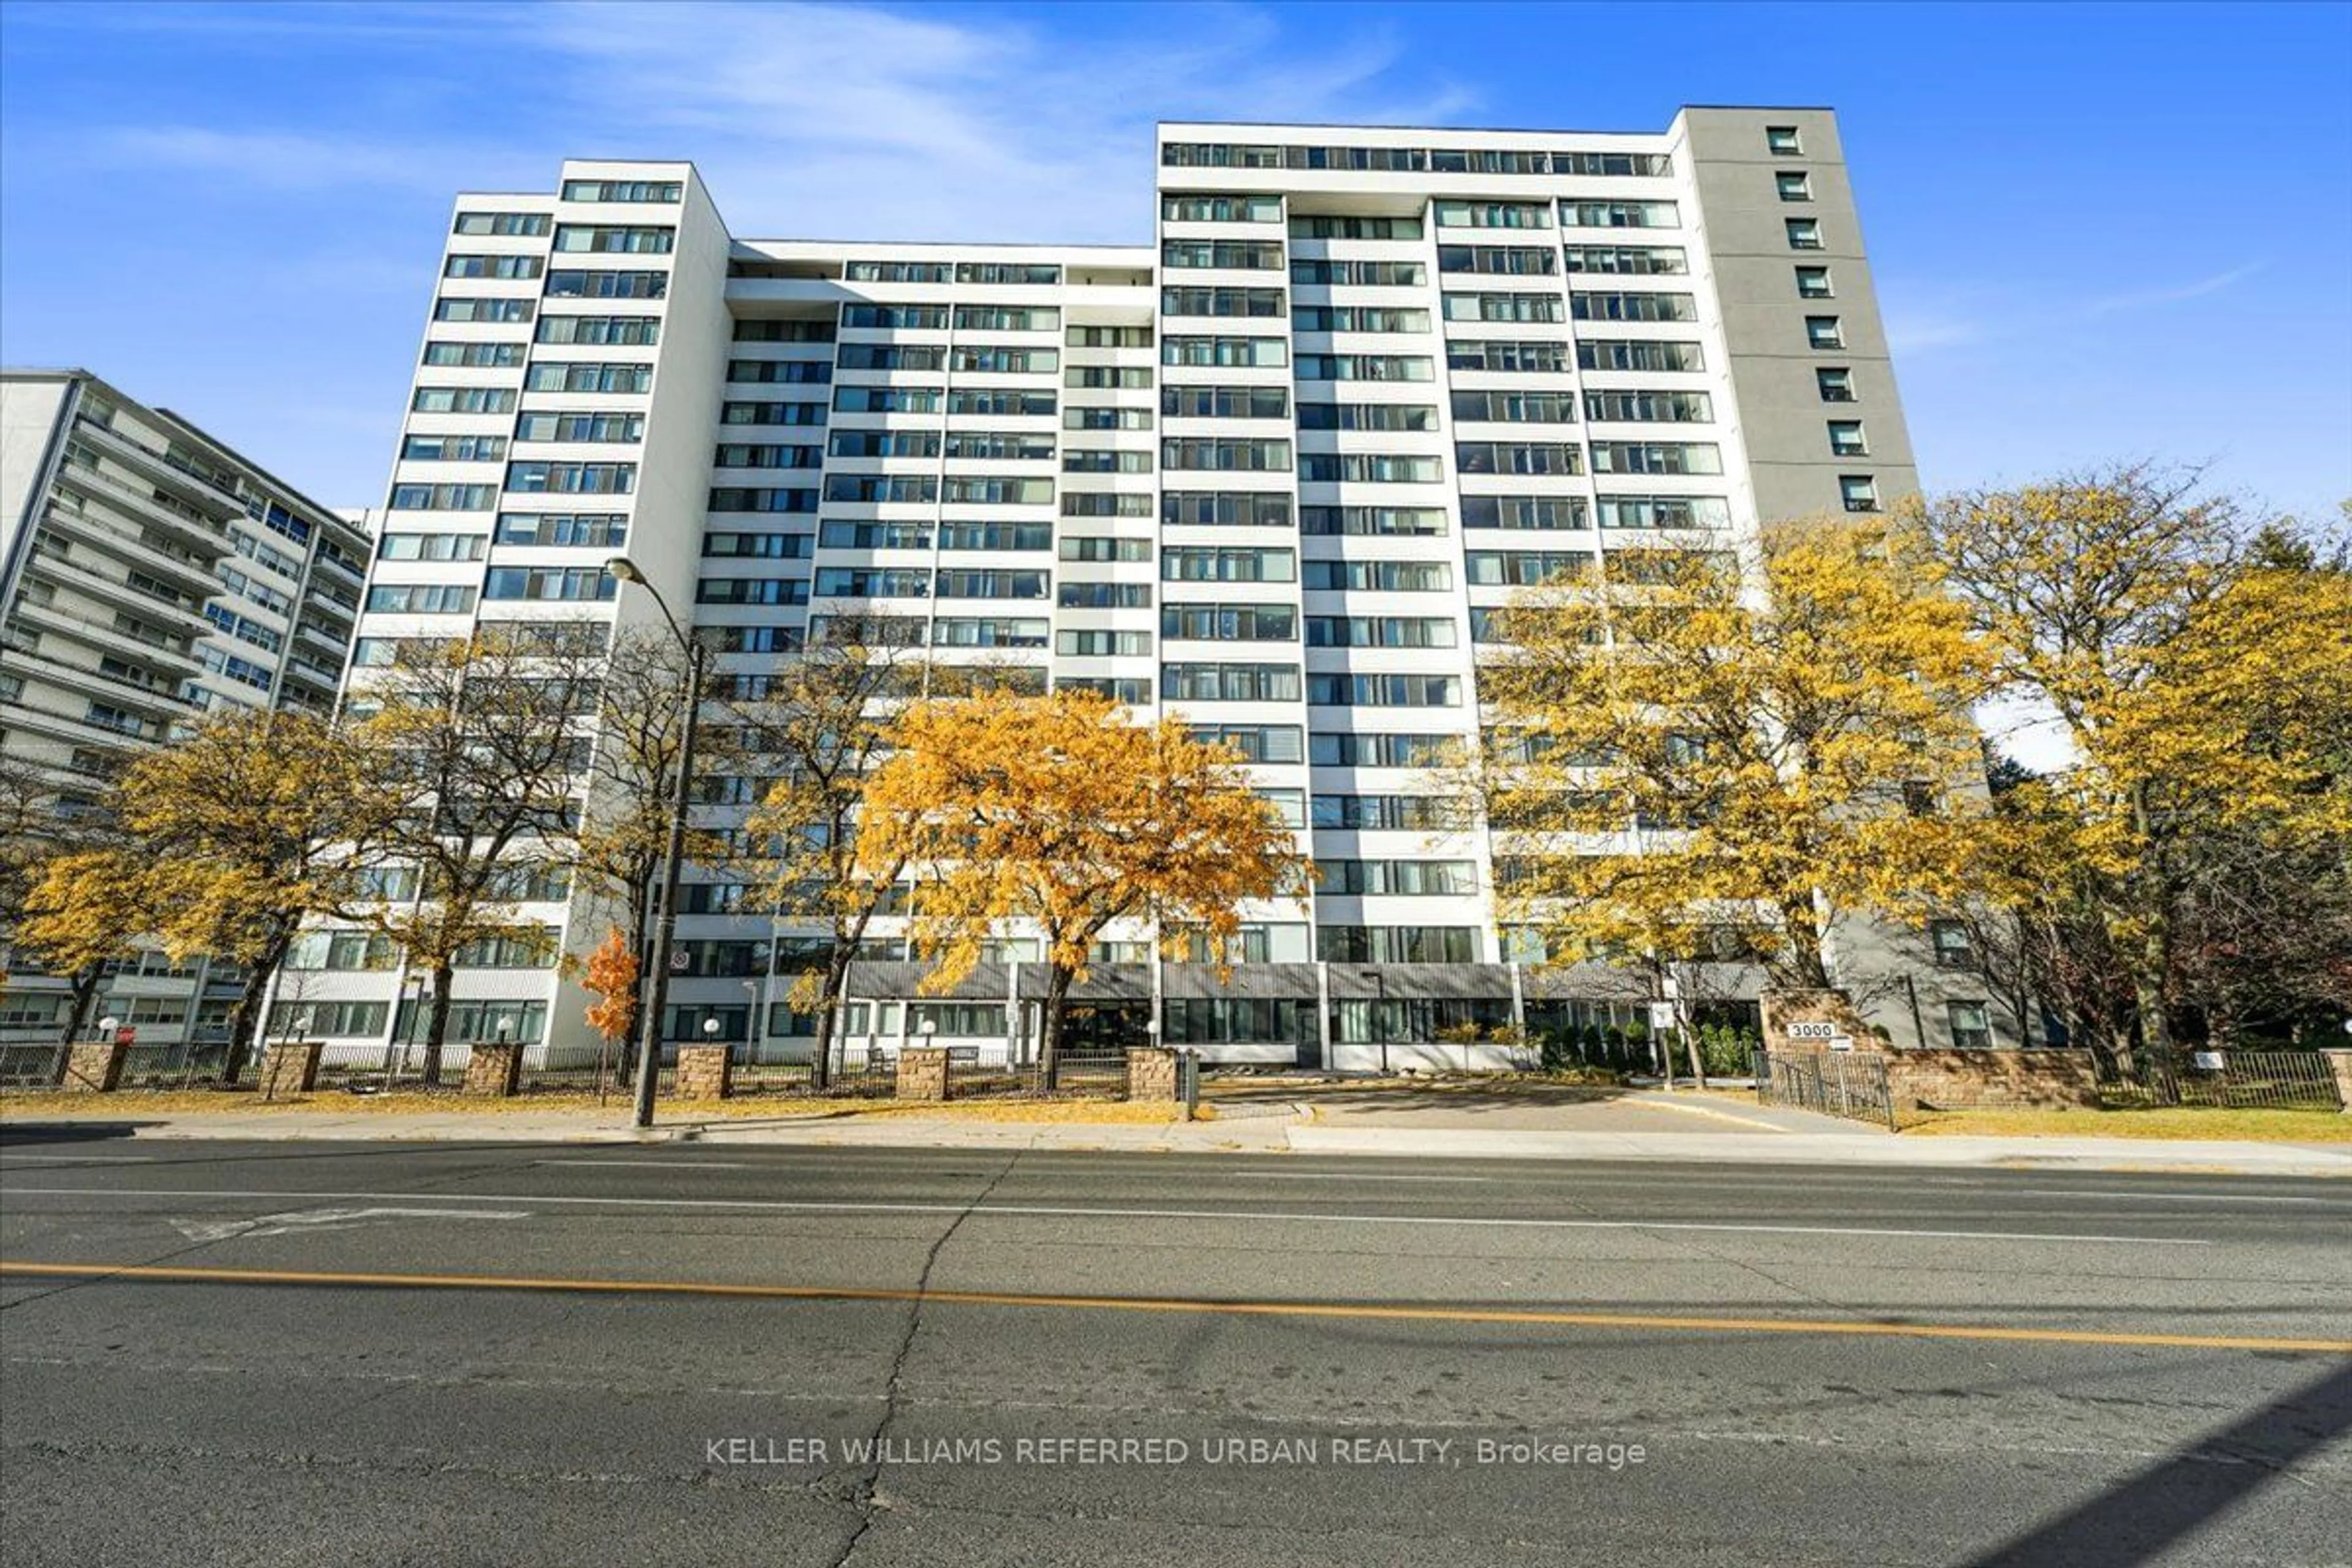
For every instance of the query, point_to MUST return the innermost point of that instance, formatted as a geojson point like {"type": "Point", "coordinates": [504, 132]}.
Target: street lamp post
{"type": "Point", "coordinates": [656, 998]}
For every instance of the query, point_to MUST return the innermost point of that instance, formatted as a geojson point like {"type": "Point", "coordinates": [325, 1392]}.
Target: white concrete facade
{"type": "Point", "coordinates": [148, 573]}
{"type": "Point", "coordinates": [1265, 473]}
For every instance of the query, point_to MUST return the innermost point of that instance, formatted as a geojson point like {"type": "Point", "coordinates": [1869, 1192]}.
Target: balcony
{"type": "Point", "coordinates": [75, 578]}
{"type": "Point", "coordinates": [178, 659]}
{"type": "Point", "coordinates": [177, 474]}
{"type": "Point", "coordinates": [204, 536]}
{"type": "Point", "coordinates": [80, 527]}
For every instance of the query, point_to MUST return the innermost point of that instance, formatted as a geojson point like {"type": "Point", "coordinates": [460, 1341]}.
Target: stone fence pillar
{"type": "Point", "coordinates": [94, 1067]}
{"type": "Point", "coordinates": [1803, 1021]}
{"type": "Point", "coordinates": [1151, 1074]}
{"type": "Point", "coordinates": [923, 1073]}
{"type": "Point", "coordinates": [494, 1069]}
{"type": "Point", "coordinates": [290, 1068]}
{"type": "Point", "coordinates": [705, 1072]}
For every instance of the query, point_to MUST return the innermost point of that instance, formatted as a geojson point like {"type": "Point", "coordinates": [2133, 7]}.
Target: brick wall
{"type": "Point", "coordinates": [1151, 1073]}
{"type": "Point", "coordinates": [494, 1069]}
{"type": "Point", "coordinates": [94, 1067]}
{"type": "Point", "coordinates": [705, 1072]}
{"type": "Point", "coordinates": [923, 1073]}
{"type": "Point", "coordinates": [290, 1068]}
{"type": "Point", "coordinates": [1954, 1079]}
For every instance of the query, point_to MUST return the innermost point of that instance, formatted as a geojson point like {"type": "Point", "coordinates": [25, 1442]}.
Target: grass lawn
{"type": "Point", "coordinates": [132, 1104]}
{"type": "Point", "coordinates": [2161, 1122]}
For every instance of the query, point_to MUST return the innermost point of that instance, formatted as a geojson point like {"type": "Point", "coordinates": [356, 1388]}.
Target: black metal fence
{"type": "Point", "coordinates": [1854, 1085]}
{"type": "Point", "coordinates": [2229, 1080]}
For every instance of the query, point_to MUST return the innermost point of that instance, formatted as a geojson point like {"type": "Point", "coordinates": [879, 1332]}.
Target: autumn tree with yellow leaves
{"type": "Point", "coordinates": [1063, 812]}
{"type": "Point", "coordinates": [226, 841]}
{"type": "Point", "coordinates": [484, 745]}
{"type": "Point", "coordinates": [2203, 680]}
{"type": "Point", "coordinates": [1684, 756]}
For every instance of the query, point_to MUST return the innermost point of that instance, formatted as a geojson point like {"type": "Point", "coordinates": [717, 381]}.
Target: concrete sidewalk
{"type": "Point", "coordinates": [1278, 1128]}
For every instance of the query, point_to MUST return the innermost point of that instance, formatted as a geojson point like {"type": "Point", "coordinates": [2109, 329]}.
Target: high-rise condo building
{"type": "Point", "coordinates": [148, 573]}
{"type": "Point", "coordinates": [1271, 473]}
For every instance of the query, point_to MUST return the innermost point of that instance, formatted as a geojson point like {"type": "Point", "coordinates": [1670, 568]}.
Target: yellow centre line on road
{"type": "Point", "coordinates": [1527, 1317]}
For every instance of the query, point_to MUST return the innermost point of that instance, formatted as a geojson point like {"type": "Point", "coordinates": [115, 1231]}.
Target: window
{"type": "Point", "coordinates": [1322, 227]}
{"type": "Point", "coordinates": [1638, 353]}
{"type": "Point", "coordinates": [1502, 260]}
{"type": "Point", "coordinates": [420, 598]}
{"type": "Point", "coordinates": [1364, 367]}
{"type": "Point", "coordinates": [1633, 307]}
{"type": "Point", "coordinates": [1491, 214]}
{"type": "Point", "coordinates": [1794, 185]}
{"type": "Point", "coordinates": [968, 491]}
{"type": "Point", "coordinates": [882, 443]}
{"type": "Point", "coordinates": [771, 331]}
{"type": "Point", "coordinates": [1619, 215]}
{"type": "Point", "coordinates": [601, 332]}
{"type": "Point", "coordinates": [752, 498]}
{"type": "Point", "coordinates": [1396, 944]}
{"type": "Point", "coordinates": [480, 356]}
{"type": "Point", "coordinates": [1011, 402]}
{"type": "Point", "coordinates": [1202, 622]}
{"type": "Point", "coordinates": [444, 497]}
{"type": "Point", "coordinates": [1971, 1024]}
{"type": "Point", "coordinates": [1221, 209]}
{"type": "Point", "coordinates": [1824, 333]}
{"type": "Point", "coordinates": [881, 356]}
{"type": "Point", "coordinates": [1225, 508]}
{"type": "Point", "coordinates": [1656, 407]}
{"type": "Point", "coordinates": [1522, 568]}
{"type": "Point", "coordinates": [1804, 233]}
{"type": "Point", "coordinates": [1846, 439]}
{"type": "Point", "coordinates": [1630, 260]}
{"type": "Point", "coordinates": [752, 591]}
{"type": "Point", "coordinates": [503, 222]}
{"type": "Point", "coordinates": [631, 241]}
{"type": "Point", "coordinates": [1081, 547]}
{"type": "Point", "coordinates": [1502, 308]}
{"type": "Point", "coordinates": [1665, 512]}
{"type": "Point", "coordinates": [1357, 318]}
{"type": "Point", "coordinates": [772, 413]}
{"type": "Point", "coordinates": [453, 448]}
{"type": "Point", "coordinates": [1261, 352]}
{"type": "Point", "coordinates": [1102, 503]}
{"type": "Point", "coordinates": [1004, 446]}
{"type": "Point", "coordinates": [1479, 354]}
{"type": "Point", "coordinates": [1407, 879]}
{"type": "Point", "coordinates": [463, 400]}
{"type": "Point", "coordinates": [1207, 401]}
{"type": "Point", "coordinates": [1859, 491]}
{"type": "Point", "coordinates": [1007, 318]}
{"type": "Point", "coordinates": [806, 372]}
{"type": "Point", "coordinates": [508, 267]}
{"type": "Point", "coordinates": [1102, 644]}
{"type": "Point", "coordinates": [1202, 454]}
{"type": "Point", "coordinates": [1836, 385]}
{"type": "Point", "coordinates": [432, 546]}
{"type": "Point", "coordinates": [560, 582]}
{"type": "Point", "coordinates": [1950, 941]}
{"type": "Point", "coordinates": [1338, 689]}
{"type": "Point", "coordinates": [1544, 513]}
{"type": "Point", "coordinates": [1040, 273]}
{"type": "Point", "coordinates": [1518, 457]}
{"type": "Point", "coordinates": [616, 284]}
{"type": "Point", "coordinates": [996, 536]}
{"type": "Point", "coordinates": [1109, 337]}
{"type": "Point", "coordinates": [1229, 682]}
{"type": "Point", "coordinates": [624, 428]}
{"type": "Point", "coordinates": [1783, 141]}
{"type": "Point", "coordinates": [571, 478]}
{"type": "Point", "coordinates": [879, 488]}
{"type": "Point", "coordinates": [1215, 563]}
{"type": "Point", "coordinates": [1221, 302]}
{"type": "Point", "coordinates": [1383, 576]}
{"type": "Point", "coordinates": [623, 191]}
{"type": "Point", "coordinates": [1656, 458]}
{"type": "Point", "coordinates": [1368, 521]}
{"type": "Point", "coordinates": [876, 535]}
{"type": "Point", "coordinates": [897, 272]}
{"type": "Point", "coordinates": [1813, 283]}
{"type": "Point", "coordinates": [1256, 743]}
{"type": "Point", "coordinates": [1377, 274]}
{"type": "Point", "coordinates": [1248, 255]}
{"type": "Point", "coordinates": [896, 318]}
{"type": "Point", "coordinates": [1372, 468]}
{"type": "Point", "coordinates": [327, 1019]}
{"type": "Point", "coordinates": [758, 546]}
{"type": "Point", "coordinates": [559, 377]}
{"type": "Point", "coordinates": [1368, 417]}
{"type": "Point", "coordinates": [1105, 596]}
{"type": "Point", "coordinates": [603, 530]}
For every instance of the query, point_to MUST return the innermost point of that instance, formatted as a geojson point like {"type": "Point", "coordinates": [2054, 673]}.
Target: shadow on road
{"type": "Point", "coordinates": [21, 1134]}
{"type": "Point", "coordinates": [2135, 1521]}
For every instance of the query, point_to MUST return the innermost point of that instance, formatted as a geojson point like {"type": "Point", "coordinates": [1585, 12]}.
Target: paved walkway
{"type": "Point", "coordinates": [1453, 1125]}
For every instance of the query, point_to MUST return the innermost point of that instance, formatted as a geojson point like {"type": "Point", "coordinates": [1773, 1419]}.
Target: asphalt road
{"type": "Point", "coordinates": [1156, 1359]}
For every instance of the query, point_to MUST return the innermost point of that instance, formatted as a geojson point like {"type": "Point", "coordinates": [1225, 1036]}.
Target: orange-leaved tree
{"type": "Point", "coordinates": [612, 975]}
{"type": "Point", "coordinates": [1063, 812]}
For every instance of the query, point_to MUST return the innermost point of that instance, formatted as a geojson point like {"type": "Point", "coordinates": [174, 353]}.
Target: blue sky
{"type": "Point", "coordinates": [2100, 232]}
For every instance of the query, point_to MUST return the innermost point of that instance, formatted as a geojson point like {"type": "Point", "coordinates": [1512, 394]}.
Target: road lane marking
{"type": "Point", "coordinates": [303, 1221]}
{"type": "Point", "coordinates": [37, 1162]}
{"type": "Point", "coordinates": [1367, 1176]}
{"type": "Point", "coordinates": [10, 1269]}
{"type": "Point", "coordinates": [2102, 1193]}
{"type": "Point", "coordinates": [1068, 1210]}
{"type": "Point", "coordinates": [655, 1164]}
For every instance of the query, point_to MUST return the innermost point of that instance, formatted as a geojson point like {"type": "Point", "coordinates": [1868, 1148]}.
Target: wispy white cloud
{"type": "Point", "coordinates": [1913, 331]}
{"type": "Point", "coordinates": [2152, 298]}
{"type": "Point", "coordinates": [289, 161]}
{"type": "Point", "coordinates": [860, 122]}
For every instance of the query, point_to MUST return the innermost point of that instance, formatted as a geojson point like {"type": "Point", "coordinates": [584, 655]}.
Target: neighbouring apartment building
{"type": "Point", "coordinates": [1270, 473]}
{"type": "Point", "coordinates": [148, 573]}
